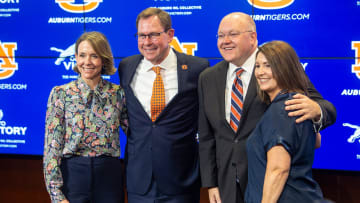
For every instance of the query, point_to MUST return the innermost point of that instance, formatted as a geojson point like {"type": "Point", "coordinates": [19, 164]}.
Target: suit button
{"type": "Point", "coordinates": [236, 140]}
{"type": "Point", "coordinates": [154, 126]}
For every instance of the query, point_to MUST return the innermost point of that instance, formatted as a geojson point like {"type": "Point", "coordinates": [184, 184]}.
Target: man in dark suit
{"type": "Point", "coordinates": [223, 159]}
{"type": "Point", "coordinates": [162, 152]}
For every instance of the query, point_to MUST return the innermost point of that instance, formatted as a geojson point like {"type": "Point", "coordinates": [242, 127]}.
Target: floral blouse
{"type": "Point", "coordinates": [81, 122]}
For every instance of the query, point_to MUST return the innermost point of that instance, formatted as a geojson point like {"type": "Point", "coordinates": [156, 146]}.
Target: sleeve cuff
{"type": "Point", "coordinates": [57, 197]}
{"type": "Point", "coordinates": [279, 141]}
{"type": "Point", "coordinates": [318, 124]}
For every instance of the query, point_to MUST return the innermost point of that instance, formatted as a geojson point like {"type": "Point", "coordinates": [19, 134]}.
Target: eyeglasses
{"type": "Point", "coordinates": [231, 35]}
{"type": "Point", "coordinates": [153, 36]}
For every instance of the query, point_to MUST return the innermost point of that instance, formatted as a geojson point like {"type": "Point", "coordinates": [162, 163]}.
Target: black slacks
{"type": "Point", "coordinates": [93, 179]}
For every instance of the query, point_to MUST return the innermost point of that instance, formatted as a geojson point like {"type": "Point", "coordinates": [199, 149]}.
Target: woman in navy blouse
{"type": "Point", "coordinates": [280, 151]}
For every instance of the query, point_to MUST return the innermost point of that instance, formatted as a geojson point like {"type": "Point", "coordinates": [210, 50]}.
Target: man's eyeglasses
{"type": "Point", "coordinates": [231, 35]}
{"type": "Point", "coordinates": [153, 36]}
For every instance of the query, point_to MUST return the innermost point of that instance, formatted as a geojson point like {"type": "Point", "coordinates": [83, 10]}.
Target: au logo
{"type": "Point", "coordinates": [72, 7]}
{"type": "Point", "coordinates": [270, 4]}
{"type": "Point", "coordinates": [188, 48]}
{"type": "Point", "coordinates": [356, 67]}
{"type": "Point", "coordinates": [8, 66]}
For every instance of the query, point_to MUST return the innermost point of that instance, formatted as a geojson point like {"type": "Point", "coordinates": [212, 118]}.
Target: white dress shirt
{"type": "Point", "coordinates": [248, 67]}
{"type": "Point", "coordinates": [142, 82]}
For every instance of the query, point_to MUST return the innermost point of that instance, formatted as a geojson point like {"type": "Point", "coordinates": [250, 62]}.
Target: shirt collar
{"type": "Point", "coordinates": [248, 66]}
{"type": "Point", "coordinates": [85, 89]}
{"type": "Point", "coordinates": [165, 64]}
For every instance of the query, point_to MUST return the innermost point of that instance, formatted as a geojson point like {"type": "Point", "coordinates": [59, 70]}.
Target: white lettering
{"type": "Point", "coordinates": [5, 86]}
{"type": "Point", "coordinates": [80, 20]}
{"type": "Point", "coordinates": [13, 130]}
{"type": "Point", "coordinates": [281, 16]}
{"type": "Point", "coordinates": [8, 146]}
{"type": "Point", "coordinates": [16, 131]}
{"type": "Point", "coordinates": [69, 65]}
{"type": "Point", "coordinates": [104, 19]}
{"type": "Point", "coordinates": [300, 16]}
{"type": "Point", "coordinates": [304, 65]}
{"type": "Point", "coordinates": [15, 141]}
{"type": "Point", "coordinates": [9, 1]}
{"type": "Point", "coordinates": [23, 130]}
{"type": "Point", "coordinates": [350, 92]}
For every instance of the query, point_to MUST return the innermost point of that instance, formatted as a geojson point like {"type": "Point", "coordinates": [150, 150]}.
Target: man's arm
{"type": "Point", "coordinates": [207, 144]}
{"type": "Point", "coordinates": [313, 107]}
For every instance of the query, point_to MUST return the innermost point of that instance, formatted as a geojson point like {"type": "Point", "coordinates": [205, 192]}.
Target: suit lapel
{"type": "Point", "coordinates": [221, 86]}
{"type": "Point", "coordinates": [250, 96]}
{"type": "Point", "coordinates": [127, 81]}
{"type": "Point", "coordinates": [130, 72]}
{"type": "Point", "coordinates": [182, 71]}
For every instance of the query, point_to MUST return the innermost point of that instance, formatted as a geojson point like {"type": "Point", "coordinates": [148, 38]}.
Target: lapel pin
{"type": "Point", "coordinates": [184, 67]}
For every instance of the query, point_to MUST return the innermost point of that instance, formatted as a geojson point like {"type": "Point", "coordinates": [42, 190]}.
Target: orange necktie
{"type": "Point", "coordinates": [158, 95]}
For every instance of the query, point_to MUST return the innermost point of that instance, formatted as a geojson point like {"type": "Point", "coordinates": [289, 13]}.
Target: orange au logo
{"type": "Point", "coordinates": [270, 4]}
{"type": "Point", "coordinates": [184, 67]}
{"type": "Point", "coordinates": [356, 67]}
{"type": "Point", "coordinates": [8, 66]}
{"type": "Point", "coordinates": [188, 48]}
{"type": "Point", "coordinates": [72, 7]}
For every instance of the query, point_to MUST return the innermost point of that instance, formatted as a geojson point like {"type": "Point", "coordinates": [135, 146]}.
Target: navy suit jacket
{"type": "Point", "coordinates": [167, 148]}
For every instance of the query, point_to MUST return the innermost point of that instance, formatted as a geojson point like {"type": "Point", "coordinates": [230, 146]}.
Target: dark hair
{"type": "Point", "coordinates": [102, 48]}
{"type": "Point", "coordinates": [285, 66]}
{"type": "Point", "coordinates": [164, 17]}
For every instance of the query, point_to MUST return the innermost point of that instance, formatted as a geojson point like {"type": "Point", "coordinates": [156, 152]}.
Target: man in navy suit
{"type": "Point", "coordinates": [162, 152]}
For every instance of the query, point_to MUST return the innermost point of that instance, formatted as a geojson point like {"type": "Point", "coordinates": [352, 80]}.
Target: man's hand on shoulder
{"type": "Point", "coordinates": [303, 107]}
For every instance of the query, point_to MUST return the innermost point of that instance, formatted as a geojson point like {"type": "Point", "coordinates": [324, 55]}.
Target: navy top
{"type": "Point", "coordinates": [277, 128]}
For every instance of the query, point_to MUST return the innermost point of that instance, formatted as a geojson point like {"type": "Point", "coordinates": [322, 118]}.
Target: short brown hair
{"type": "Point", "coordinates": [102, 48]}
{"type": "Point", "coordinates": [286, 68]}
{"type": "Point", "coordinates": [164, 17]}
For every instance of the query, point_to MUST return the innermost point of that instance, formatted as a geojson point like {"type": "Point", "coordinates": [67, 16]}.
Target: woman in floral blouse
{"type": "Point", "coordinates": [82, 147]}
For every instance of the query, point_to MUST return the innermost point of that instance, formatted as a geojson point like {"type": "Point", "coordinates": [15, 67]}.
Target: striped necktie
{"type": "Point", "coordinates": [158, 95]}
{"type": "Point", "coordinates": [236, 100]}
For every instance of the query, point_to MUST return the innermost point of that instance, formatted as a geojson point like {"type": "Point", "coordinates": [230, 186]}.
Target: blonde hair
{"type": "Point", "coordinates": [102, 48]}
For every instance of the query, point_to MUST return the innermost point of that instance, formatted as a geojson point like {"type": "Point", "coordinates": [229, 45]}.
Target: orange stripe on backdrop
{"type": "Point", "coordinates": [269, 4]}
{"type": "Point", "coordinates": [79, 8]}
{"type": "Point", "coordinates": [6, 73]}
